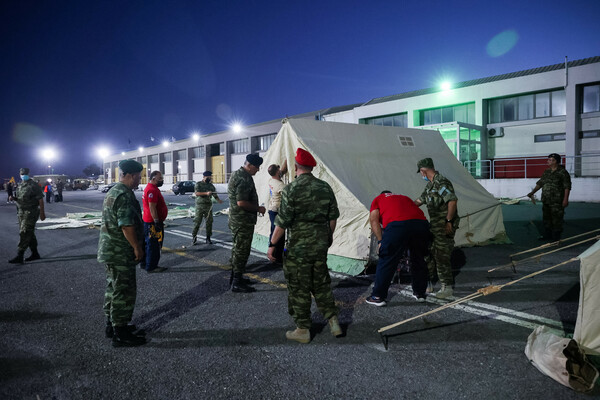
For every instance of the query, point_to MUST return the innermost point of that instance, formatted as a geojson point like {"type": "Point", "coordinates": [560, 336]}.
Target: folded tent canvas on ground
{"type": "Point", "coordinates": [359, 161]}
{"type": "Point", "coordinates": [587, 327]}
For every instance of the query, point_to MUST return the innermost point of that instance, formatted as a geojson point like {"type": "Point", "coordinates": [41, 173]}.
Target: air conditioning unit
{"type": "Point", "coordinates": [496, 132]}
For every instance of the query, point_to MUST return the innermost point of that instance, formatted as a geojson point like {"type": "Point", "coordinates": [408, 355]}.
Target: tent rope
{"type": "Point", "coordinates": [480, 292]}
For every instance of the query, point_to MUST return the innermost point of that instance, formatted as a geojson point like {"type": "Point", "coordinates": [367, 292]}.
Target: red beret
{"type": "Point", "coordinates": [303, 157]}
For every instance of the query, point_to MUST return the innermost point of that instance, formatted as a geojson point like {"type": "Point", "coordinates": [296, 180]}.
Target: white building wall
{"type": "Point", "coordinates": [237, 160]}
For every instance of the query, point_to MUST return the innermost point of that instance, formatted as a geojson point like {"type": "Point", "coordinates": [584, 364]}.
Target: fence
{"type": "Point", "coordinates": [587, 165]}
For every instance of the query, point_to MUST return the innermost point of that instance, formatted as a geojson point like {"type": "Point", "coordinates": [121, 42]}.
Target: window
{"type": "Point", "coordinates": [221, 149]}
{"type": "Point", "coordinates": [240, 146]}
{"type": "Point", "coordinates": [589, 134]}
{"type": "Point", "coordinates": [400, 120]}
{"type": "Point", "coordinates": [199, 152]}
{"type": "Point", "coordinates": [182, 155]}
{"type": "Point", "coordinates": [530, 106]}
{"type": "Point", "coordinates": [266, 141]}
{"type": "Point", "coordinates": [461, 113]}
{"type": "Point", "coordinates": [153, 158]}
{"type": "Point", "coordinates": [406, 141]}
{"type": "Point", "coordinates": [552, 137]}
{"type": "Point", "coordinates": [167, 157]}
{"type": "Point", "coordinates": [591, 98]}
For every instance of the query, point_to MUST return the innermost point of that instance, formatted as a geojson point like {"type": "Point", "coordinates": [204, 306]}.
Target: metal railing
{"type": "Point", "coordinates": [586, 165]}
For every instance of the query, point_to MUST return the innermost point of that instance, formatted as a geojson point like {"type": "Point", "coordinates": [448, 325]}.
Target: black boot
{"type": "Point", "coordinates": [132, 328]}
{"type": "Point", "coordinates": [547, 235]}
{"type": "Point", "coordinates": [208, 241]}
{"type": "Point", "coordinates": [34, 255]}
{"type": "Point", "coordinates": [18, 259]}
{"type": "Point", "coordinates": [122, 337]}
{"type": "Point", "coordinates": [240, 285]}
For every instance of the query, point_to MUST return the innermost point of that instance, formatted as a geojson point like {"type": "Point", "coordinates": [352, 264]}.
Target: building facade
{"type": "Point", "coordinates": [501, 128]}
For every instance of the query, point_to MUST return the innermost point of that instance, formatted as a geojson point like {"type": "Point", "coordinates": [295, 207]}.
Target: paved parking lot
{"type": "Point", "coordinates": [206, 341]}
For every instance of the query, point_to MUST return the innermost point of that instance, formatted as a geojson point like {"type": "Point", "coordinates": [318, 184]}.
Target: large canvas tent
{"type": "Point", "coordinates": [587, 328]}
{"type": "Point", "coordinates": [359, 161]}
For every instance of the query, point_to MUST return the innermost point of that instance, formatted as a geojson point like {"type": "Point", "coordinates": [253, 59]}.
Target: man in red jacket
{"type": "Point", "coordinates": [155, 213]}
{"type": "Point", "coordinates": [404, 228]}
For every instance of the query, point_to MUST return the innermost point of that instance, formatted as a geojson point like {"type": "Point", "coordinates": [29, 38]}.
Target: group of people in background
{"type": "Point", "coordinates": [305, 210]}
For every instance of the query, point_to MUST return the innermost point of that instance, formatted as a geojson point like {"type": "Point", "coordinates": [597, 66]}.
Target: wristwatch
{"type": "Point", "coordinates": [448, 220]}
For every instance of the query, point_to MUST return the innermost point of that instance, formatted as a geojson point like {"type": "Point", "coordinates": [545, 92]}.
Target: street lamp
{"type": "Point", "coordinates": [165, 143]}
{"type": "Point", "coordinates": [103, 152]}
{"type": "Point", "coordinates": [49, 155]}
{"type": "Point", "coordinates": [237, 127]}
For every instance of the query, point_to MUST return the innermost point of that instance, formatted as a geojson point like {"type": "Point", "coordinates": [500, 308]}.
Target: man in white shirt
{"type": "Point", "coordinates": [276, 185]}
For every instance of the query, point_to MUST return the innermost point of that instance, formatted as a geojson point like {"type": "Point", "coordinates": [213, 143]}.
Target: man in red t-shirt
{"type": "Point", "coordinates": [155, 213]}
{"type": "Point", "coordinates": [404, 228]}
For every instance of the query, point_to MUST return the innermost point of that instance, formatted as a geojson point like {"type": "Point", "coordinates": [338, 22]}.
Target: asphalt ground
{"type": "Point", "coordinates": [205, 341]}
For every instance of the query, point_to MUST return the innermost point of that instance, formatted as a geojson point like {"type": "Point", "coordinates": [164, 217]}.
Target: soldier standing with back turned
{"type": "Point", "coordinates": [30, 207]}
{"type": "Point", "coordinates": [309, 211]}
{"type": "Point", "coordinates": [243, 209]}
{"type": "Point", "coordinates": [121, 248]}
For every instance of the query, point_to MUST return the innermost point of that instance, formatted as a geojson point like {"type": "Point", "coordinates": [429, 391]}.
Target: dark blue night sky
{"type": "Point", "coordinates": [77, 75]}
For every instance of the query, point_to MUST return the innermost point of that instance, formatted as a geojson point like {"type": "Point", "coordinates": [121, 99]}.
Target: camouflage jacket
{"type": "Point", "coordinates": [307, 206]}
{"type": "Point", "coordinates": [241, 187]}
{"type": "Point", "coordinates": [554, 184]}
{"type": "Point", "coordinates": [28, 195]}
{"type": "Point", "coordinates": [436, 196]}
{"type": "Point", "coordinates": [202, 186]}
{"type": "Point", "coordinates": [120, 209]}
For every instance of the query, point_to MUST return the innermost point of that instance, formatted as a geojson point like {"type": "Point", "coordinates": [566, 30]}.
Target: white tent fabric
{"type": "Point", "coordinates": [587, 328]}
{"type": "Point", "coordinates": [359, 161]}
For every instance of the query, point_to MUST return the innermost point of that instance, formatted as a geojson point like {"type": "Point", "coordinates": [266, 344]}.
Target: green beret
{"type": "Point", "coordinates": [130, 166]}
{"type": "Point", "coordinates": [24, 171]}
{"type": "Point", "coordinates": [425, 163]}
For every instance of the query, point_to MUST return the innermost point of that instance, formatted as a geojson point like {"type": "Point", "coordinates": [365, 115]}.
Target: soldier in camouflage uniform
{"type": "Point", "coordinates": [243, 209]}
{"type": "Point", "coordinates": [309, 212]}
{"type": "Point", "coordinates": [556, 187]}
{"type": "Point", "coordinates": [30, 207]}
{"type": "Point", "coordinates": [440, 198]}
{"type": "Point", "coordinates": [120, 248]}
{"type": "Point", "coordinates": [204, 191]}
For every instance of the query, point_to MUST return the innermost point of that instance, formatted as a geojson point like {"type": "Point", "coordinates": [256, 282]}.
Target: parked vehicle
{"type": "Point", "coordinates": [184, 187]}
{"type": "Point", "coordinates": [106, 188]}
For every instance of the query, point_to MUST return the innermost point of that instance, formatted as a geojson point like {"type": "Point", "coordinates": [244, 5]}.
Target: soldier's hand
{"type": "Point", "coordinates": [449, 229]}
{"type": "Point", "coordinates": [565, 203]}
{"type": "Point", "coordinates": [42, 215]}
{"type": "Point", "coordinates": [262, 210]}
{"type": "Point", "coordinates": [139, 253]}
{"type": "Point", "coordinates": [270, 254]}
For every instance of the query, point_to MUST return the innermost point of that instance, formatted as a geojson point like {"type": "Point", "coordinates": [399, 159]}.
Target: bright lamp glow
{"type": "Point", "coordinates": [48, 154]}
{"type": "Point", "coordinates": [165, 143]}
{"type": "Point", "coordinates": [141, 148]}
{"type": "Point", "coordinates": [237, 127]}
{"type": "Point", "coordinates": [446, 86]}
{"type": "Point", "coordinates": [195, 136]}
{"type": "Point", "coordinates": [103, 152]}
{"type": "Point", "coordinates": [122, 153]}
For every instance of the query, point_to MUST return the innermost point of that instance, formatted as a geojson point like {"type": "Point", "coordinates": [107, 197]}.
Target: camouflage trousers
{"type": "Point", "coordinates": [553, 215]}
{"type": "Point", "coordinates": [27, 220]}
{"type": "Point", "coordinates": [438, 260]}
{"type": "Point", "coordinates": [242, 243]}
{"type": "Point", "coordinates": [203, 211]}
{"type": "Point", "coordinates": [306, 276]}
{"type": "Point", "coordinates": [121, 289]}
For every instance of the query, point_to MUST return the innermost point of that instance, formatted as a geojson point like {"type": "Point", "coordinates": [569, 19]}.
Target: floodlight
{"type": "Point", "coordinates": [446, 86]}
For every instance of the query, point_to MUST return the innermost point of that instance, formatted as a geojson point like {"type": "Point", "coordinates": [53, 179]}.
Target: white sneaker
{"type": "Point", "coordinates": [445, 292]}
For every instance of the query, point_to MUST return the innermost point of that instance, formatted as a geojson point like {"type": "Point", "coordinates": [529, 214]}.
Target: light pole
{"type": "Point", "coordinates": [103, 152]}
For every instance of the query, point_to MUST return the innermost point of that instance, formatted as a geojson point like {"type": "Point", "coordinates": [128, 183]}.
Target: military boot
{"type": "Point", "coordinates": [299, 335]}
{"type": "Point", "coordinates": [109, 331]}
{"type": "Point", "coordinates": [240, 285]}
{"type": "Point", "coordinates": [334, 326]}
{"type": "Point", "coordinates": [123, 337]}
{"type": "Point", "coordinates": [208, 241]}
{"type": "Point", "coordinates": [547, 235]}
{"type": "Point", "coordinates": [34, 255]}
{"type": "Point", "coordinates": [556, 236]}
{"type": "Point", "coordinates": [18, 259]}
{"type": "Point", "coordinates": [194, 239]}
{"type": "Point", "coordinates": [445, 292]}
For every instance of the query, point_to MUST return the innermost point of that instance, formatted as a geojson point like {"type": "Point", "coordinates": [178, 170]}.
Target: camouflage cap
{"type": "Point", "coordinates": [130, 166]}
{"type": "Point", "coordinates": [425, 163]}
{"type": "Point", "coordinates": [24, 171]}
